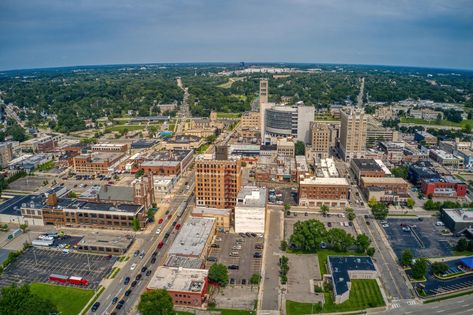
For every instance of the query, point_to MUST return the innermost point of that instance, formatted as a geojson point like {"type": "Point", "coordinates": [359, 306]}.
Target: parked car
{"type": "Point", "coordinates": [115, 300]}
{"type": "Point", "coordinates": [95, 306]}
{"type": "Point", "coordinates": [160, 221]}
{"type": "Point", "coordinates": [127, 280]}
{"type": "Point", "coordinates": [178, 226]}
{"type": "Point", "coordinates": [234, 267]}
{"type": "Point", "coordinates": [133, 266]}
{"type": "Point", "coordinates": [257, 255]}
{"type": "Point", "coordinates": [137, 252]}
{"type": "Point", "coordinates": [128, 292]}
{"type": "Point", "coordinates": [138, 277]}
{"type": "Point", "coordinates": [153, 260]}
{"type": "Point", "coordinates": [134, 283]}
{"type": "Point", "coordinates": [211, 258]}
{"type": "Point", "coordinates": [158, 231]}
{"type": "Point", "coordinates": [148, 273]}
{"type": "Point", "coordinates": [120, 304]}
{"type": "Point", "coordinates": [329, 224]}
{"type": "Point", "coordinates": [144, 269]}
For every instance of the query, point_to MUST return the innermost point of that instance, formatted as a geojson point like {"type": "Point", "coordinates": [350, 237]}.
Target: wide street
{"type": "Point", "coordinates": [147, 242]}
{"type": "Point", "coordinates": [462, 305]}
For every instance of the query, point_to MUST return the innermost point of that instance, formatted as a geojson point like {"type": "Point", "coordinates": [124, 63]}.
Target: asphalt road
{"type": "Point", "coordinates": [270, 286]}
{"type": "Point", "coordinates": [390, 273]}
{"type": "Point", "coordinates": [462, 305]}
{"type": "Point", "coordinates": [149, 242]}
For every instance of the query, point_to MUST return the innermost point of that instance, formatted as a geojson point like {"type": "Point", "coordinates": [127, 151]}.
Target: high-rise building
{"type": "Point", "coordinates": [321, 139]}
{"type": "Point", "coordinates": [263, 91]}
{"type": "Point", "coordinates": [217, 182]}
{"type": "Point", "coordinates": [353, 132]}
{"type": "Point", "coordinates": [6, 153]}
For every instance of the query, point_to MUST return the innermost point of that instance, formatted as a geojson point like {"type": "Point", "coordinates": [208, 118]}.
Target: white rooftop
{"type": "Point", "coordinates": [337, 181]}
{"type": "Point", "coordinates": [191, 239]}
{"type": "Point", "coordinates": [178, 279]}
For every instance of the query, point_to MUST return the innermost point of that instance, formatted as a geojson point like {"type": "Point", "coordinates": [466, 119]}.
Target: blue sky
{"type": "Point", "coordinates": [48, 33]}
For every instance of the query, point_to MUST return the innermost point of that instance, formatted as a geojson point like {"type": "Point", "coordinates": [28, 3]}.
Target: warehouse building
{"type": "Point", "coordinates": [457, 220]}
{"type": "Point", "coordinates": [194, 238]}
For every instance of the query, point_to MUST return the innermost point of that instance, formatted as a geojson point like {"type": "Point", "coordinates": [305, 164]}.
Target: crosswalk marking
{"type": "Point", "coordinates": [395, 305]}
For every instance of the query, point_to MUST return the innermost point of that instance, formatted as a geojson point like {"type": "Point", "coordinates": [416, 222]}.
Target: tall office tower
{"type": "Point", "coordinates": [217, 182]}
{"type": "Point", "coordinates": [263, 91]}
{"type": "Point", "coordinates": [263, 104]}
{"type": "Point", "coordinates": [353, 131]}
{"type": "Point", "coordinates": [321, 139]}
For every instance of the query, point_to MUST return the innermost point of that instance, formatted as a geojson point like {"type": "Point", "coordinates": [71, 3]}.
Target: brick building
{"type": "Point", "coordinates": [95, 162]}
{"type": "Point", "coordinates": [368, 168]}
{"type": "Point", "coordinates": [319, 191]}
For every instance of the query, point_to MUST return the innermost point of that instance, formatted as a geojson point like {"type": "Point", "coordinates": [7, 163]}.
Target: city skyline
{"type": "Point", "coordinates": [54, 34]}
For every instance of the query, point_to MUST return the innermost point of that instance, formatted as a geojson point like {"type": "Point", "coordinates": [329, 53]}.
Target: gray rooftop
{"type": "Point", "coordinates": [192, 238]}
{"type": "Point", "coordinates": [252, 196]}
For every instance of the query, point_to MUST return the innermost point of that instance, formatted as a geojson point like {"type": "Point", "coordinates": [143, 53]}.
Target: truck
{"type": "Point", "coordinates": [14, 234]}
{"type": "Point", "coordinates": [42, 243]}
{"type": "Point", "coordinates": [70, 280]}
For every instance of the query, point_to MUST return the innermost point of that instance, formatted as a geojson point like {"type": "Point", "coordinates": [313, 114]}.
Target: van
{"type": "Point", "coordinates": [439, 223]}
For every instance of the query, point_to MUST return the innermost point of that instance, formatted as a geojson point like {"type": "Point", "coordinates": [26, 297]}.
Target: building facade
{"type": "Point", "coordinates": [353, 134]}
{"type": "Point", "coordinates": [319, 191]}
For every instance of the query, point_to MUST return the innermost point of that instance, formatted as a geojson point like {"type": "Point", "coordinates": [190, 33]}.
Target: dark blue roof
{"type": "Point", "coordinates": [340, 265]}
{"type": "Point", "coordinates": [467, 261]}
{"type": "Point", "coordinates": [13, 206]}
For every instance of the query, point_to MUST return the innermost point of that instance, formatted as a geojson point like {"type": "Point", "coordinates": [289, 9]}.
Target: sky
{"type": "Point", "coordinates": [52, 33]}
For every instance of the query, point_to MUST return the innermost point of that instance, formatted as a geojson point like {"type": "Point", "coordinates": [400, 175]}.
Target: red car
{"type": "Point", "coordinates": [169, 217]}
{"type": "Point", "coordinates": [178, 227]}
{"type": "Point", "coordinates": [160, 221]}
{"type": "Point", "coordinates": [160, 245]}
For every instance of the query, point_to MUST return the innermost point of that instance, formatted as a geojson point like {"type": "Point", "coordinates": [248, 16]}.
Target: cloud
{"type": "Point", "coordinates": [46, 33]}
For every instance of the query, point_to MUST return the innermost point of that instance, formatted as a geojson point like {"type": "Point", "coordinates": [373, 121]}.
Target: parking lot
{"type": "Point", "coordinates": [303, 269]}
{"type": "Point", "coordinates": [330, 221]}
{"type": "Point", "coordinates": [237, 250]}
{"type": "Point", "coordinates": [29, 183]}
{"type": "Point", "coordinates": [35, 265]}
{"type": "Point", "coordinates": [424, 238]}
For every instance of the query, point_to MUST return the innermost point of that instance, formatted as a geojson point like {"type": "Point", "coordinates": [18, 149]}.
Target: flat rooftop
{"type": "Point", "coordinates": [252, 196]}
{"type": "Point", "coordinates": [383, 180]}
{"type": "Point", "coordinates": [191, 240]}
{"type": "Point", "coordinates": [99, 157]}
{"type": "Point", "coordinates": [178, 279]}
{"type": "Point", "coordinates": [212, 211]}
{"type": "Point", "coordinates": [184, 262]}
{"type": "Point", "coordinates": [463, 215]}
{"type": "Point", "coordinates": [12, 206]}
{"type": "Point", "coordinates": [342, 265]}
{"type": "Point", "coordinates": [106, 240]}
{"type": "Point", "coordinates": [330, 181]}
{"type": "Point", "coordinates": [183, 139]}
{"type": "Point", "coordinates": [367, 165]}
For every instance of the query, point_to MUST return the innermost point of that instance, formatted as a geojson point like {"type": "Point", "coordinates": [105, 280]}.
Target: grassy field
{"type": "Point", "coordinates": [232, 312]}
{"type": "Point", "coordinates": [68, 300]}
{"type": "Point", "coordinates": [202, 149]}
{"type": "Point", "coordinates": [120, 128]}
{"type": "Point", "coordinates": [230, 82]}
{"type": "Point", "coordinates": [363, 294]}
{"type": "Point", "coordinates": [228, 115]}
{"type": "Point", "coordinates": [410, 120]}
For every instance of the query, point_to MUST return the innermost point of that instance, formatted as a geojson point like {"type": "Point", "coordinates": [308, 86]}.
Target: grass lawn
{"type": "Point", "coordinates": [228, 115]}
{"type": "Point", "coordinates": [419, 121]}
{"type": "Point", "coordinates": [202, 148]}
{"type": "Point", "coordinates": [184, 313]}
{"type": "Point", "coordinates": [68, 300]}
{"type": "Point", "coordinates": [363, 294]}
{"type": "Point", "coordinates": [463, 253]}
{"type": "Point", "coordinates": [232, 312]}
{"type": "Point", "coordinates": [229, 83]}
{"type": "Point", "coordinates": [120, 128]}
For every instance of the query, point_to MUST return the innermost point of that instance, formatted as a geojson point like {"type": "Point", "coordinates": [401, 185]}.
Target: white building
{"type": "Point", "coordinates": [250, 210]}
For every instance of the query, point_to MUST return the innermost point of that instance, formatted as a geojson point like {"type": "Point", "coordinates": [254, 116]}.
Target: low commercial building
{"type": "Point", "coordinates": [11, 210]}
{"type": "Point", "coordinates": [95, 162]}
{"type": "Point", "coordinates": [187, 287]}
{"type": "Point", "coordinates": [394, 151]}
{"type": "Point", "coordinates": [250, 210]}
{"type": "Point", "coordinates": [444, 187]}
{"type": "Point", "coordinates": [319, 191]}
{"type": "Point", "coordinates": [43, 144]}
{"type": "Point", "coordinates": [182, 142]}
{"type": "Point", "coordinates": [446, 159]}
{"type": "Point", "coordinates": [385, 189]}
{"type": "Point", "coordinates": [421, 170]}
{"type": "Point", "coordinates": [302, 168]}
{"type": "Point", "coordinates": [163, 185]}
{"type": "Point", "coordinates": [343, 269]}
{"type": "Point", "coordinates": [457, 220]}
{"type": "Point", "coordinates": [425, 137]}
{"type": "Point", "coordinates": [326, 168]}
{"type": "Point", "coordinates": [194, 238]}
{"type": "Point", "coordinates": [222, 216]}
{"type": "Point", "coordinates": [285, 147]}
{"type": "Point", "coordinates": [110, 147]}
{"type": "Point", "coordinates": [165, 163]}
{"type": "Point", "coordinates": [368, 168]}
{"type": "Point", "coordinates": [105, 243]}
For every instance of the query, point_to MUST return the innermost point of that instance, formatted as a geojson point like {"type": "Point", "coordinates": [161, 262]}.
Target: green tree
{"type": "Point", "coordinates": [283, 245]}
{"type": "Point", "coordinates": [287, 207]}
{"type": "Point", "coordinates": [299, 147]}
{"type": "Point", "coordinates": [218, 273]}
{"type": "Point", "coordinates": [370, 251]}
{"type": "Point", "coordinates": [139, 173]}
{"type": "Point", "coordinates": [17, 133]}
{"type": "Point", "coordinates": [363, 242]}
{"type": "Point", "coordinates": [372, 202]}
{"type": "Point", "coordinates": [406, 257]}
{"type": "Point", "coordinates": [462, 245]}
{"type": "Point", "coordinates": [380, 211]}
{"type": "Point", "coordinates": [136, 224]}
{"type": "Point", "coordinates": [339, 239]}
{"type": "Point", "coordinates": [400, 171]}
{"type": "Point", "coordinates": [419, 268]}
{"type": "Point", "coordinates": [16, 300]}
{"type": "Point", "coordinates": [324, 209]}
{"type": "Point", "coordinates": [307, 235]}
{"type": "Point", "coordinates": [439, 267]}
{"type": "Point", "coordinates": [72, 194]}
{"type": "Point", "coordinates": [410, 203]}
{"type": "Point", "coordinates": [23, 227]}
{"type": "Point", "coordinates": [255, 278]}
{"type": "Point", "coordinates": [156, 302]}
{"type": "Point", "coordinates": [211, 139]}
{"type": "Point", "coordinates": [350, 213]}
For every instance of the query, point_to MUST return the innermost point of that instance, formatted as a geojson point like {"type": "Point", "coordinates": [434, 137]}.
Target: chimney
{"type": "Point", "coordinates": [52, 200]}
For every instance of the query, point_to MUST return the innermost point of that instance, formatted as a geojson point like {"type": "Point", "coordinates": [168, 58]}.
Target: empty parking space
{"type": "Point", "coordinates": [238, 251]}
{"type": "Point", "coordinates": [35, 265]}
{"type": "Point", "coordinates": [424, 238]}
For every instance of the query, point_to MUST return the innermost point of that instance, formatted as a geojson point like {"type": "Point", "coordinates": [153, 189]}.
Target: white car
{"type": "Point", "coordinates": [133, 266]}
{"type": "Point", "coordinates": [385, 225]}
{"type": "Point", "coordinates": [158, 231]}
